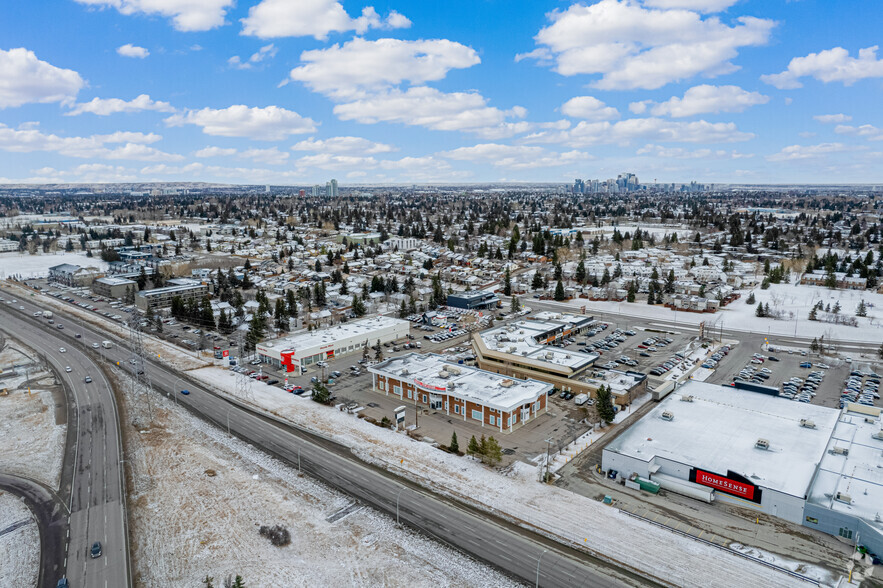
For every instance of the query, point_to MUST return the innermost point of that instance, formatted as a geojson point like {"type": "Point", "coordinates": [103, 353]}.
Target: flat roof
{"type": "Point", "coordinates": [169, 289]}
{"type": "Point", "coordinates": [519, 338]}
{"type": "Point", "coordinates": [115, 281]}
{"type": "Point", "coordinates": [858, 474]}
{"type": "Point", "coordinates": [331, 335]}
{"type": "Point", "coordinates": [718, 430]}
{"type": "Point", "coordinates": [469, 383]}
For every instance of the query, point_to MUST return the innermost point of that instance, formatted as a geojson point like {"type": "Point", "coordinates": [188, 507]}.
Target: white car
{"type": "Point", "coordinates": [62, 350]}
{"type": "Point", "coordinates": [68, 369]}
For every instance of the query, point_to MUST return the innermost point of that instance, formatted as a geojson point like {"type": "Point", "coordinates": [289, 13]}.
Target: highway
{"type": "Point", "coordinates": [92, 481]}
{"type": "Point", "coordinates": [517, 552]}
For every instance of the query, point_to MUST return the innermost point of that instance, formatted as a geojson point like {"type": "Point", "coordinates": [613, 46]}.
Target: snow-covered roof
{"type": "Point", "coordinates": [434, 372]}
{"type": "Point", "coordinates": [718, 430]}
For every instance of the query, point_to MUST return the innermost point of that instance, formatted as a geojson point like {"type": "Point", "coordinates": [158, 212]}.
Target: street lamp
{"type": "Point", "coordinates": [538, 567]}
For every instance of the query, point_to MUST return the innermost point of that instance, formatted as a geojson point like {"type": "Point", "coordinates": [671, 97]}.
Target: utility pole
{"type": "Point", "coordinates": [140, 379]}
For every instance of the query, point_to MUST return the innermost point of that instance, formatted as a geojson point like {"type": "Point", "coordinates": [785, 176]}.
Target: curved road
{"type": "Point", "coordinates": [92, 482]}
{"type": "Point", "coordinates": [516, 551]}
{"type": "Point", "coordinates": [51, 514]}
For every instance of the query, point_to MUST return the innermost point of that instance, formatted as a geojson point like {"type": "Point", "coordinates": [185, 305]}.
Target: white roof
{"type": "Point", "coordinates": [322, 337]}
{"type": "Point", "coordinates": [858, 474]}
{"type": "Point", "coordinates": [461, 381]}
{"type": "Point", "coordinates": [518, 339]}
{"type": "Point", "coordinates": [717, 432]}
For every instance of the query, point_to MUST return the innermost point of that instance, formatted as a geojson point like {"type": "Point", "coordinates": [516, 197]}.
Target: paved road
{"type": "Point", "coordinates": [92, 482]}
{"type": "Point", "coordinates": [511, 549]}
{"type": "Point", "coordinates": [51, 514]}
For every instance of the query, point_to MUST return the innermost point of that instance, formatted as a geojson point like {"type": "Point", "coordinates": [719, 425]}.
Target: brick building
{"type": "Point", "coordinates": [459, 391]}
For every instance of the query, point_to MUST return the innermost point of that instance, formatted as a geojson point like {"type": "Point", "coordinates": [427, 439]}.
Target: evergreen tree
{"type": "Point", "coordinates": [238, 582]}
{"type": "Point", "coordinates": [281, 315]}
{"type": "Point", "coordinates": [559, 291]}
{"type": "Point", "coordinates": [320, 393]}
{"type": "Point", "coordinates": [403, 309]}
{"type": "Point", "coordinates": [516, 305]}
{"type": "Point", "coordinates": [581, 272]}
{"type": "Point", "coordinates": [473, 447]}
{"type": "Point", "coordinates": [537, 282]}
{"type": "Point", "coordinates": [836, 309]}
{"type": "Point", "coordinates": [750, 299]}
{"type": "Point", "coordinates": [765, 284]}
{"type": "Point", "coordinates": [358, 307]}
{"type": "Point", "coordinates": [209, 581]}
{"type": "Point", "coordinates": [507, 283]}
{"type": "Point", "coordinates": [492, 453]}
{"type": "Point", "coordinates": [814, 345]}
{"type": "Point", "coordinates": [454, 447]}
{"type": "Point", "coordinates": [142, 279]}
{"type": "Point", "coordinates": [670, 282]}
{"type": "Point", "coordinates": [760, 312]}
{"type": "Point", "coordinates": [862, 309]}
{"type": "Point", "coordinates": [813, 314]}
{"type": "Point", "coordinates": [604, 404]}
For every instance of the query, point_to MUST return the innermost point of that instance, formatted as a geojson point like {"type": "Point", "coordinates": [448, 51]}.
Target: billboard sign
{"type": "Point", "coordinates": [727, 485]}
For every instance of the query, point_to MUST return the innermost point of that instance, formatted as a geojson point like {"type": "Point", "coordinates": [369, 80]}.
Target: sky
{"type": "Point", "coordinates": [297, 92]}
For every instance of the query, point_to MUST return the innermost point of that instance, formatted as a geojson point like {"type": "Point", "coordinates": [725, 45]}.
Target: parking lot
{"type": "Point", "coordinates": [792, 373]}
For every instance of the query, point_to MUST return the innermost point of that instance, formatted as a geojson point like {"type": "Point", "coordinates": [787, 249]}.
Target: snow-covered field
{"type": "Point", "coordinates": [37, 266]}
{"type": "Point", "coordinates": [19, 547]}
{"type": "Point", "coordinates": [31, 444]}
{"type": "Point", "coordinates": [790, 298]}
{"type": "Point", "coordinates": [548, 509]}
{"type": "Point", "coordinates": [200, 497]}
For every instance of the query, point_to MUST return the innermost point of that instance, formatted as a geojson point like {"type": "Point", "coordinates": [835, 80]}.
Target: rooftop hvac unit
{"type": "Point", "coordinates": [870, 420]}
{"type": "Point", "coordinates": [443, 375]}
{"type": "Point", "coordinates": [549, 355]}
{"type": "Point", "coordinates": [878, 435]}
{"type": "Point", "coordinates": [807, 424]}
{"type": "Point", "coordinates": [453, 370]}
{"type": "Point", "coordinates": [568, 356]}
{"type": "Point", "coordinates": [843, 497]}
{"type": "Point", "coordinates": [404, 372]}
{"type": "Point", "coordinates": [512, 349]}
{"type": "Point", "coordinates": [762, 444]}
{"type": "Point", "coordinates": [451, 386]}
{"type": "Point", "coordinates": [668, 416]}
{"type": "Point", "coordinates": [507, 383]}
{"type": "Point", "coordinates": [687, 398]}
{"type": "Point", "coordinates": [840, 451]}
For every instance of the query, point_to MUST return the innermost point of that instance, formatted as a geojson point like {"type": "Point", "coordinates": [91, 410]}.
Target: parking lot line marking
{"type": "Point", "coordinates": [656, 517]}
{"type": "Point", "coordinates": [699, 536]}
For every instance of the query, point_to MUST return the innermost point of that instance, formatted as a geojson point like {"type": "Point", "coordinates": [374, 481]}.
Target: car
{"type": "Point", "coordinates": [95, 346]}
{"type": "Point", "coordinates": [88, 380]}
{"type": "Point", "coordinates": [806, 364]}
{"type": "Point", "coordinates": [335, 374]}
{"type": "Point", "coordinates": [185, 392]}
{"type": "Point", "coordinates": [62, 350]}
{"type": "Point", "coordinates": [59, 326]}
{"type": "Point", "coordinates": [96, 549]}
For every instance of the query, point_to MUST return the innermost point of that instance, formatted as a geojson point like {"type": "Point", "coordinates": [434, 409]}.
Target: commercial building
{"type": "Point", "coordinates": [476, 300]}
{"type": "Point", "coordinates": [294, 352]}
{"type": "Point", "coordinates": [523, 349]}
{"type": "Point", "coordinates": [810, 465]}
{"type": "Point", "coordinates": [162, 297]}
{"type": "Point", "coordinates": [460, 391]}
{"type": "Point", "coordinates": [114, 287]}
{"type": "Point", "coordinates": [8, 245]}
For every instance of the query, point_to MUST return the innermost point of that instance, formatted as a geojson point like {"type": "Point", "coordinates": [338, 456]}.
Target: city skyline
{"type": "Point", "coordinates": [273, 92]}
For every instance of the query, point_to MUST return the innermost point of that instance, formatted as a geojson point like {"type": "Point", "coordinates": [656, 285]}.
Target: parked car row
{"type": "Point", "coordinates": [716, 357]}
{"type": "Point", "coordinates": [861, 388]}
{"type": "Point", "coordinates": [676, 359]}
{"type": "Point", "coordinates": [802, 390]}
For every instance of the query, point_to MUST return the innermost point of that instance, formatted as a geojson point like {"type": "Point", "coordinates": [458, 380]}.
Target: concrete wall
{"type": "Point", "coordinates": [832, 521]}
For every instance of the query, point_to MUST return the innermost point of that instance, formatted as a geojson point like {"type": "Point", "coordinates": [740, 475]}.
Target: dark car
{"type": "Point", "coordinates": [78, 336]}
{"type": "Point", "coordinates": [271, 382]}
{"type": "Point", "coordinates": [88, 380]}
{"type": "Point", "coordinates": [773, 358]}
{"type": "Point", "coordinates": [185, 392]}
{"type": "Point", "coordinates": [96, 549]}
{"type": "Point", "coordinates": [63, 583]}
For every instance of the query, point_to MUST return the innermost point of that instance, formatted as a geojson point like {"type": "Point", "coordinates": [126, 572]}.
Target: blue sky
{"type": "Point", "coordinates": [300, 91]}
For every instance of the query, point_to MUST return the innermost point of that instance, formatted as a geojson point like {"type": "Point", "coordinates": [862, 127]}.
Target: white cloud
{"type": "Point", "coordinates": [342, 145]}
{"type": "Point", "coordinates": [270, 156]}
{"type": "Point", "coordinates": [313, 18]}
{"type": "Point", "coordinates": [264, 124]}
{"type": "Point", "coordinates": [25, 79]}
{"type": "Point", "coordinates": [681, 153]}
{"type": "Point", "coordinates": [636, 47]}
{"type": "Point", "coordinates": [264, 53]}
{"type": "Point", "coordinates": [29, 140]}
{"type": "Point", "coordinates": [215, 152]}
{"type": "Point", "coordinates": [589, 108]}
{"type": "Point", "coordinates": [830, 65]}
{"type": "Point", "coordinates": [870, 132]}
{"type": "Point", "coordinates": [336, 162]}
{"type": "Point", "coordinates": [430, 108]}
{"type": "Point", "coordinates": [346, 70]}
{"type": "Point", "coordinates": [805, 152]}
{"type": "Point", "coordinates": [701, 100]}
{"type": "Point", "coordinates": [833, 118]}
{"type": "Point", "coordinates": [515, 156]}
{"type": "Point", "coordinates": [108, 106]}
{"type": "Point", "coordinates": [129, 50]}
{"type": "Point", "coordinates": [647, 129]}
{"type": "Point", "coordinates": [186, 15]}
{"type": "Point", "coordinates": [698, 5]}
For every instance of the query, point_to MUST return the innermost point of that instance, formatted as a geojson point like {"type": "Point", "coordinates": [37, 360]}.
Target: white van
{"type": "Point", "coordinates": [581, 399]}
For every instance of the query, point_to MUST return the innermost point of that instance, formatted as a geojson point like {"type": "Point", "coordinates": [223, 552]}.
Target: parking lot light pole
{"type": "Point", "coordinates": [538, 566]}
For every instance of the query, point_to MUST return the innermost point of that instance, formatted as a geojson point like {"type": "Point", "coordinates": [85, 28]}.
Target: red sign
{"type": "Point", "coordinates": [429, 386]}
{"type": "Point", "coordinates": [726, 485]}
{"type": "Point", "coordinates": [226, 353]}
